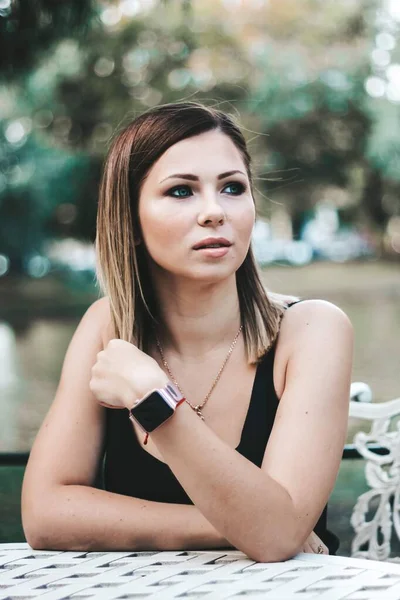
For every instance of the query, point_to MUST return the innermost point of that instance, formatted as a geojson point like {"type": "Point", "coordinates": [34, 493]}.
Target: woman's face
{"type": "Point", "coordinates": [198, 192]}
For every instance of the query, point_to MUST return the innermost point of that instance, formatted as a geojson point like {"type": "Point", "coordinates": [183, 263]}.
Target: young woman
{"type": "Point", "coordinates": [220, 409]}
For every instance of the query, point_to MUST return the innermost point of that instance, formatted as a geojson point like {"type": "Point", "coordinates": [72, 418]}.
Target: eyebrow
{"type": "Point", "coordinates": [191, 177]}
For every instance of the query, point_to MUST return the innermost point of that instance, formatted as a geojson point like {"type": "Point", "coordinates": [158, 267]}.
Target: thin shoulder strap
{"type": "Point", "coordinates": [295, 302]}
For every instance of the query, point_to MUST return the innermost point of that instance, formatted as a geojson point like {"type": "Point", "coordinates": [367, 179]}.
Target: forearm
{"type": "Point", "coordinates": [249, 508]}
{"type": "Point", "coordinates": [76, 517]}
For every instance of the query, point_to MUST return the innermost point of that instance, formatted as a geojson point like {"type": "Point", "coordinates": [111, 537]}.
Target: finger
{"type": "Point", "coordinates": [320, 549]}
{"type": "Point", "coordinates": [317, 545]}
{"type": "Point", "coordinates": [109, 405]}
{"type": "Point", "coordinates": [307, 549]}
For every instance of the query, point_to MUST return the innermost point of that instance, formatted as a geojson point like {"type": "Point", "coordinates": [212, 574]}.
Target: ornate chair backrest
{"type": "Point", "coordinates": [373, 537]}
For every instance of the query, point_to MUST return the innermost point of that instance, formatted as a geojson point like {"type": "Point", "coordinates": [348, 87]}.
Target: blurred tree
{"type": "Point", "coordinates": [76, 97]}
{"type": "Point", "coordinates": [39, 181]}
{"type": "Point", "coordinates": [29, 28]}
{"type": "Point", "coordinates": [309, 96]}
{"type": "Point", "coordinates": [298, 73]}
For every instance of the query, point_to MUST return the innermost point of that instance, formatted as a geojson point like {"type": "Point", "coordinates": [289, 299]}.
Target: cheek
{"type": "Point", "coordinates": [154, 227]}
{"type": "Point", "coordinates": [245, 220]}
{"type": "Point", "coordinates": [161, 229]}
{"type": "Point", "coordinates": [151, 220]}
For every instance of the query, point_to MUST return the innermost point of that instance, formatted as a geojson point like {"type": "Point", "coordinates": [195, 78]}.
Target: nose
{"type": "Point", "coordinates": [211, 212]}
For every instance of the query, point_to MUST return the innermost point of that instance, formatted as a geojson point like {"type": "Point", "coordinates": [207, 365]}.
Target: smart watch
{"type": "Point", "coordinates": [155, 408]}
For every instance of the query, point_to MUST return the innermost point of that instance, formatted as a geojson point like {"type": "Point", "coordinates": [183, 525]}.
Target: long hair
{"type": "Point", "coordinates": [121, 262]}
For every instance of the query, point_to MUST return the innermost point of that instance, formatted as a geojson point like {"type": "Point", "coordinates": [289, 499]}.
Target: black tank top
{"type": "Point", "coordinates": [132, 471]}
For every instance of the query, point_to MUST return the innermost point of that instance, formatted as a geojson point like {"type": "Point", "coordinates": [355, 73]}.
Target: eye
{"type": "Point", "coordinates": [235, 188]}
{"type": "Point", "coordinates": [180, 191]}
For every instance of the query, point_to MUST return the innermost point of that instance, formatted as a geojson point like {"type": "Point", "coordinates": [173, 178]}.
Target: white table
{"type": "Point", "coordinates": [190, 575]}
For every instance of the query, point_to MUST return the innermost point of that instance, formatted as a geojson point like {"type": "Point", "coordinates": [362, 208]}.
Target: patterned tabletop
{"type": "Point", "coordinates": [190, 575]}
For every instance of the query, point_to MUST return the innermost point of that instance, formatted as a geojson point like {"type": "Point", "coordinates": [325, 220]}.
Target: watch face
{"type": "Point", "coordinates": [152, 412]}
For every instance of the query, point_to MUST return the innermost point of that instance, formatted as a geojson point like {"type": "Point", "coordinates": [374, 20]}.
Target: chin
{"type": "Point", "coordinates": [212, 273]}
{"type": "Point", "coordinates": [206, 272]}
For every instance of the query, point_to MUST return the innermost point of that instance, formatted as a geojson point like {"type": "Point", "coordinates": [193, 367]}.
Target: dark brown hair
{"type": "Point", "coordinates": [121, 265]}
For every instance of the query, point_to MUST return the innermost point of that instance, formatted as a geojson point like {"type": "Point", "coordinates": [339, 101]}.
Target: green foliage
{"type": "Point", "coordinates": [383, 144]}
{"type": "Point", "coordinates": [29, 29]}
{"type": "Point", "coordinates": [74, 74]}
{"type": "Point", "coordinates": [39, 180]}
{"type": "Point", "coordinates": [75, 98]}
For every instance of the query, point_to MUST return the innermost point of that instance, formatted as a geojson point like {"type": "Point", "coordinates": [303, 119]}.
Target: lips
{"type": "Point", "coordinates": [212, 243]}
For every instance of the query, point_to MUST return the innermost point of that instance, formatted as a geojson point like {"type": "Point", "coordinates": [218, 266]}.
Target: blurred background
{"type": "Point", "coordinates": [316, 87]}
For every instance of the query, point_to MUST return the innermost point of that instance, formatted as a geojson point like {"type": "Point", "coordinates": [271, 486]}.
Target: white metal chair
{"type": "Point", "coordinates": [382, 473]}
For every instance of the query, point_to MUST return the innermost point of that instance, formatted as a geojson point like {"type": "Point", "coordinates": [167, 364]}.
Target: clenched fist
{"type": "Point", "coordinates": [123, 374]}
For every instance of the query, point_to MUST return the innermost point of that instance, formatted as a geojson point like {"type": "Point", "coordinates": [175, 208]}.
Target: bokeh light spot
{"type": "Point", "coordinates": [385, 41]}
{"type": "Point", "coordinates": [375, 87]}
{"type": "Point", "coordinates": [179, 78]}
{"type": "Point", "coordinates": [111, 16]}
{"type": "Point", "coordinates": [380, 57]}
{"type": "Point", "coordinates": [130, 8]}
{"type": "Point", "coordinates": [15, 132]}
{"type": "Point", "coordinates": [104, 66]}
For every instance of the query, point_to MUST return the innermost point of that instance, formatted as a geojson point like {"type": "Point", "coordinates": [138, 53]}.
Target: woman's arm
{"type": "Point", "coordinates": [60, 507]}
{"type": "Point", "coordinates": [269, 513]}
{"type": "Point", "coordinates": [77, 517]}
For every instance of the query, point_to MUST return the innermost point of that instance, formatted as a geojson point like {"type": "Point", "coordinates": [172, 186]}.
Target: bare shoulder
{"type": "Point", "coordinates": [99, 314]}
{"type": "Point", "coordinates": [315, 318]}
{"type": "Point", "coordinates": [316, 310]}
{"type": "Point", "coordinates": [100, 308]}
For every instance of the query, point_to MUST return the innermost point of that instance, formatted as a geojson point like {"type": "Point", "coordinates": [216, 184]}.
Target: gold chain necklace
{"type": "Point", "coordinates": [198, 407]}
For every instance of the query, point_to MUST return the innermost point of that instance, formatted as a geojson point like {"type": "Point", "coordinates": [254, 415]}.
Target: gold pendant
{"type": "Point", "coordinates": [197, 409]}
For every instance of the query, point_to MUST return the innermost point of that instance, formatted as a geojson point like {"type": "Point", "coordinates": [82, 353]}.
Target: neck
{"type": "Point", "coordinates": [198, 318]}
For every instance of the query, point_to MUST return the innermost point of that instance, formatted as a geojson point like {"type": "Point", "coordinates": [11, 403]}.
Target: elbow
{"type": "Point", "coordinates": [36, 519]}
{"type": "Point", "coordinates": [41, 530]}
{"type": "Point", "coordinates": [36, 542]}
{"type": "Point", "coordinates": [283, 546]}
{"type": "Point", "coordinates": [35, 516]}
{"type": "Point", "coordinates": [278, 543]}
{"type": "Point", "coordinates": [272, 555]}
{"type": "Point", "coordinates": [280, 539]}
{"type": "Point", "coordinates": [42, 536]}
{"type": "Point", "coordinates": [40, 542]}
{"type": "Point", "coordinates": [44, 531]}
{"type": "Point", "coordinates": [271, 545]}
{"type": "Point", "coordinates": [278, 552]}
{"type": "Point", "coordinates": [37, 530]}
{"type": "Point", "coordinates": [34, 532]}
{"type": "Point", "coordinates": [31, 524]}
